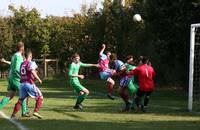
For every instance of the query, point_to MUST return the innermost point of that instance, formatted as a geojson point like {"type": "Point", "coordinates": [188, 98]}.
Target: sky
{"type": "Point", "coordinates": [48, 7]}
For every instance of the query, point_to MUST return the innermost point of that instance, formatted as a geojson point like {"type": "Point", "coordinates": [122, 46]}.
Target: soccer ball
{"type": "Point", "coordinates": [137, 18]}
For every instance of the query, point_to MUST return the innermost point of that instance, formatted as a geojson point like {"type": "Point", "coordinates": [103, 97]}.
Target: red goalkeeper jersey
{"type": "Point", "coordinates": [145, 76]}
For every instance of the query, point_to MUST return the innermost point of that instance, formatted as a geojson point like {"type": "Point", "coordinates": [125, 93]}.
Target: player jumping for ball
{"type": "Point", "coordinates": [105, 72]}
{"type": "Point", "coordinates": [74, 79]}
{"type": "Point", "coordinates": [28, 75]}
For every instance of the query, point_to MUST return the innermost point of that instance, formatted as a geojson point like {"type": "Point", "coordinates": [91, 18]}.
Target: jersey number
{"type": "Point", "coordinates": [147, 73]}
{"type": "Point", "coordinates": [23, 71]}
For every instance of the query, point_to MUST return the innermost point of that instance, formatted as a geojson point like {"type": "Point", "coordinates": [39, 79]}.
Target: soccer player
{"type": "Point", "coordinates": [133, 85]}
{"type": "Point", "coordinates": [145, 75]}
{"type": "Point", "coordinates": [28, 75]}
{"type": "Point", "coordinates": [14, 78]}
{"type": "Point", "coordinates": [74, 76]}
{"type": "Point", "coordinates": [117, 63]}
{"type": "Point", "coordinates": [105, 72]}
{"type": "Point", "coordinates": [127, 85]}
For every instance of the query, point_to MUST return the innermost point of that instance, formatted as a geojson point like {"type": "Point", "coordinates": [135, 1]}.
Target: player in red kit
{"type": "Point", "coordinates": [28, 76]}
{"type": "Point", "coordinates": [145, 75]}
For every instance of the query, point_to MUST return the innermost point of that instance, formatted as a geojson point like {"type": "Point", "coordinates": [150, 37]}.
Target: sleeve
{"type": "Point", "coordinates": [118, 65]}
{"type": "Point", "coordinates": [134, 72]}
{"type": "Point", "coordinates": [84, 64]}
{"type": "Point", "coordinates": [16, 66]}
{"type": "Point", "coordinates": [103, 56]}
{"type": "Point", "coordinates": [33, 65]}
{"type": "Point", "coordinates": [70, 72]}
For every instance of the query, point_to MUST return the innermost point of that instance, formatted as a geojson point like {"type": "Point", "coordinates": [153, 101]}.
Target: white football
{"type": "Point", "coordinates": [137, 17]}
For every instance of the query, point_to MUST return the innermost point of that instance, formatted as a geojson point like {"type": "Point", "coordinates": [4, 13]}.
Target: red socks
{"type": "Point", "coordinates": [110, 88]}
{"type": "Point", "coordinates": [38, 104]}
{"type": "Point", "coordinates": [17, 107]}
{"type": "Point", "coordinates": [123, 95]}
{"type": "Point", "coordinates": [27, 103]}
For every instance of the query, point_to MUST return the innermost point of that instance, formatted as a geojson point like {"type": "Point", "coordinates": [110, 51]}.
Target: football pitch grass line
{"type": "Point", "coordinates": [19, 125]}
{"type": "Point", "coordinates": [158, 106]}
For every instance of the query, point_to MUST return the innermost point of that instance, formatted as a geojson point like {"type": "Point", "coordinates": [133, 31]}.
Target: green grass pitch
{"type": "Point", "coordinates": [167, 110]}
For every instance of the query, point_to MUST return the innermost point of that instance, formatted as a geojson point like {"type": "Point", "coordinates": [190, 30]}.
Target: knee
{"type": "Point", "coordinates": [111, 81]}
{"type": "Point", "coordinates": [40, 98]}
{"type": "Point", "coordinates": [20, 101]}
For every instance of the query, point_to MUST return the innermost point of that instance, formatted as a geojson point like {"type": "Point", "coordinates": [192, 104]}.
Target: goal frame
{"type": "Point", "coordinates": [191, 65]}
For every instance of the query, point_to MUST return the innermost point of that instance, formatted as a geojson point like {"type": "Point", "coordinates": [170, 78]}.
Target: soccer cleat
{"type": "Point", "coordinates": [81, 105]}
{"type": "Point", "coordinates": [144, 108]}
{"type": "Point", "coordinates": [78, 106]}
{"type": "Point", "coordinates": [110, 96]}
{"type": "Point", "coordinates": [28, 114]}
{"type": "Point", "coordinates": [36, 114]}
{"type": "Point", "coordinates": [13, 117]}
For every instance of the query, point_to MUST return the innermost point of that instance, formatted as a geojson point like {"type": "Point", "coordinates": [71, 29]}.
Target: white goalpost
{"type": "Point", "coordinates": [194, 68]}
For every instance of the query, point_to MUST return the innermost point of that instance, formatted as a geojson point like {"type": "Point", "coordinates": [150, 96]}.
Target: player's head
{"type": "Point", "coordinates": [122, 67]}
{"type": "Point", "coordinates": [149, 63]}
{"type": "Point", "coordinates": [113, 56]}
{"type": "Point", "coordinates": [144, 60]}
{"type": "Point", "coordinates": [20, 46]}
{"type": "Point", "coordinates": [129, 59]}
{"type": "Point", "coordinates": [28, 55]}
{"type": "Point", "coordinates": [76, 58]}
{"type": "Point", "coordinates": [108, 53]}
{"type": "Point", "coordinates": [140, 60]}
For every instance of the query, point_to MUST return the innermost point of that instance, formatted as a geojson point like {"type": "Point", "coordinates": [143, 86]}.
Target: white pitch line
{"type": "Point", "coordinates": [19, 125]}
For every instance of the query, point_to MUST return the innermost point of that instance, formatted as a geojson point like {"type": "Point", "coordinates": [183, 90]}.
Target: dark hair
{"type": "Point", "coordinates": [108, 52]}
{"type": "Point", "coordinates": [27, 53]}
{"type": "Point", "coordinates": [144, 59]}
{"type": "Point", "coordinates": [75, 55]}
{"type": "Point", "coordinates": [113, 56]}
{"type": "Point", "coordinates": [20, 45]}
{"type": "Point", "coordinates": [129, 57]}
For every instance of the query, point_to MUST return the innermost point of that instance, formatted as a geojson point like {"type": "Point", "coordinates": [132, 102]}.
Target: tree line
{"type": "Point", "coordinates": [163, 34]}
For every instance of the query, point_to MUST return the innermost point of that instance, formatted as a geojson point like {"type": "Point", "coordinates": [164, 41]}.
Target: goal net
{"type": "Point", "coordinates": [47, 68]}
{"type": "Point", "coordinates": [194, 69]}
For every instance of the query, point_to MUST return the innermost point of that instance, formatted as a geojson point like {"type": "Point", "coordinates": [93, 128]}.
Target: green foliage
{"type": "Point", "coordinates": [163, 34]}
{"type": "Point", "coordinates": [6, 41]}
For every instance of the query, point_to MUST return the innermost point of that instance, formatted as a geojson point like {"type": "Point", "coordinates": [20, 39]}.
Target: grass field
{"type": "Point", "coordinates": [167, 110]}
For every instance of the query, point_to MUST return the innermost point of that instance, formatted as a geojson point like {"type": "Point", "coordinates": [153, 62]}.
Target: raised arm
{"type": "Point", "coordinates": [102, 49]}
{"type": "Point", "coordinates": [133, 72]}
{"type": "Point", "coordinates": [5, 61]}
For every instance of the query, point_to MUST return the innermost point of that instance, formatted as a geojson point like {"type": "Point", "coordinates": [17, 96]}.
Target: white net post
{"type": "Point", "coordinates": [191, 68]}
{"type": "Point", "coordinates": [194, 68]}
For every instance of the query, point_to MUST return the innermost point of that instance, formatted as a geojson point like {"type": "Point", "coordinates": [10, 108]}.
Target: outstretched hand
{"type": "Point", "coordinates": [2, 60]}
{"type": "Point", "coordinates": [81, 76]}
{"type": "Point", "coordinates": [97, 65]}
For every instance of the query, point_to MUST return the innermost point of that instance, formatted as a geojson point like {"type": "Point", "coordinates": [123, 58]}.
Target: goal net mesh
{"type": "Point", "coordinates": [196, 71]}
